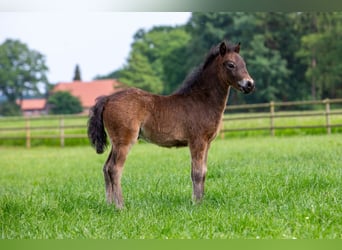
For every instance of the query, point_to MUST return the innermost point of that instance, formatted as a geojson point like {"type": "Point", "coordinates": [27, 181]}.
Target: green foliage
{"type": "Point", "coordinates": [207, 30]}
{"type": "Point", "coordinates": [155, 62]}
{"type": "Point", "coordinates": [270, 80]}
{"type": "Point", "coordinates": [289, 190]}
{"type": "Point", "coordinates": [139, 73]}
{"type": "Point", "coordinates": [321, 50]}
{"type": "Point", "coordinates": [62, 102]}
{"type": "Point", "coordinates": [261, 48]}
{"type": "Point", "coordinates": [280, 50]}
{"type": "Point", "coordinates": [291, 56]}
{"type": "Point", "coordinates": [9, 109]}
{"type": "Point", "coordinates": [22, 71]}
{"type": "Point", "coordinates": [164, 48]}
{"type": "Point", "coordinates": [113, 75]}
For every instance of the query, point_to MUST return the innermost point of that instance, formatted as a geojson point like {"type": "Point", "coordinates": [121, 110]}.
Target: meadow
{"type": "Point", "coordinates": [256, 188]}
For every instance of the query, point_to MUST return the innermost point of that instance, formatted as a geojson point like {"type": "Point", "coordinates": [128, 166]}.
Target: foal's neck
{"type": "Point", "coordinates": [204, 87]}
{"type": "Point", "coordinates": [214, 92]}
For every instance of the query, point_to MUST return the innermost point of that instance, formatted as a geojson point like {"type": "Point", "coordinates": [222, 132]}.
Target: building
{"type": "Point", "coordinates": [87, 92]}
{"type": "Point", "coordinates": [33, 107]}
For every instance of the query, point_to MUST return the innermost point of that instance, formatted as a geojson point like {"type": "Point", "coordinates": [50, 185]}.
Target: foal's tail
{"type": "Point", "coordinates": [96, 131]}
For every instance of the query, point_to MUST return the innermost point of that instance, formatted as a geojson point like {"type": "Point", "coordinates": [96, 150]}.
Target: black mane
{"type": "Point", "coordinates": [192, 79]}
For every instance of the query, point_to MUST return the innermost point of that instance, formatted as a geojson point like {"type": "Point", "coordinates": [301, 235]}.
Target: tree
{"type": "Point", "coordinates": [321, 50]}
{"type": "Point", "coordinates": [160, 53]}
{"type": "Point", "coordinates": [291, 56]}
{"type": "Point", "coordinates": [139, 73]}
{"type": "Point", "coordinates": [22, 71]}
{"type": "Point", "coordinates": [282, 36]}
{"type": "Point", "coordinates": [206, 30]}
{"type": "Point", "coordinates": [261, 52]}
{"type": "Point", "coordinates": [113, 75]}
{"type": "Point", "coordinates": [9, 109]}
{"type": "Point", "coordinates": [77, 74]}
{"type": "Point", "coordinates": [62, 102]}
{"type": "Point", "coordinates": [270, 79]}
{"type": "Point", "coordinates": [164, 47]}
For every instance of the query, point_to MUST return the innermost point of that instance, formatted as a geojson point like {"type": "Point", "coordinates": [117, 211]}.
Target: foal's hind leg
{"type": "Point", "coordinates": [115, 174]}
{"type": "Point", "coordinates": [108, 181]}
{"type": "Point", "coordinates": [112, 174]}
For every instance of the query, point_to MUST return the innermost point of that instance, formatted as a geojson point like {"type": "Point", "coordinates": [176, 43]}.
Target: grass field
{"type": "Point", "coordinates": [281, 188]}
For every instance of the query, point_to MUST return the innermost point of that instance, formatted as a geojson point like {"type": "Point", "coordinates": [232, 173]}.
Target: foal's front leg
{"type": "Point", "coordinates": [199, 151]}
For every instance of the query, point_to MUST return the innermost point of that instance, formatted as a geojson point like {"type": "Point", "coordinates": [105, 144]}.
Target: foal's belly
{"type": "Point", "coordinates": [165, 136]}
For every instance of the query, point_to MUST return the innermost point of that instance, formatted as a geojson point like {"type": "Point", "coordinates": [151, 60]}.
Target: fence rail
{"type": "Point", "coordinates": [272, 115]}
{"type": "Point", "coordinates": [66, 127]}
{"type": "Point", "coordinates": [28, 132]}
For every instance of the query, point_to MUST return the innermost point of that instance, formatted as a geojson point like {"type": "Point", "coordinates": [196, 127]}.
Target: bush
{"type": "Point", "coordinates": [62, 102]}
{"type": "Point", "coordinates": [9, 109]}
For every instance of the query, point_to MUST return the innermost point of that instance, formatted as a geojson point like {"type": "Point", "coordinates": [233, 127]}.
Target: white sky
{"type": "Point", "coordinates": [98, 41]}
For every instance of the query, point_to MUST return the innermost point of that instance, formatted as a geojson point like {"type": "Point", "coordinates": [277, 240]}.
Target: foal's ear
{"type": "Point", "coordinates": [237, 48]}
{"type": "Point", "coordinates": [223, 48]}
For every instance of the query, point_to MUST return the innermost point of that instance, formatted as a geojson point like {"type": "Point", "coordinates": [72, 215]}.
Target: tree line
{"type": "Point", "coordinates": [291, 56]}
{"type": "Point", "coordinates": [23, 75]}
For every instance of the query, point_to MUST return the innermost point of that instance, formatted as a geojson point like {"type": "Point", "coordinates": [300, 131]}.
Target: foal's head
{"type": "Point", "coordinates": [232, 68]}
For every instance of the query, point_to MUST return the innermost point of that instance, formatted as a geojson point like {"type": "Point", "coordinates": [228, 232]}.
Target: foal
{"type": "Point", "coordinates": [189, 117]}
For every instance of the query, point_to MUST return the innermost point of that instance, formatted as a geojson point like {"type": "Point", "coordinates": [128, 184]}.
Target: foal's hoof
{"type": "Point", "coordinates": [196, 201]}
{"type": "Point", "coordinates": [119, 206]}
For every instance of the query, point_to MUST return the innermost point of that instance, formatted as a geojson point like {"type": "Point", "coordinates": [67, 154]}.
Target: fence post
{"type": "Point", "coordinates": [272, 118]}
{"type": "Point", "coordinates": [222, 128]}
{"type": "Point", "coordinates": [61, 131]}
{"type": "Point", "coordinates": [327, 115]}
{"type": "Point", "coordinates": [28, 133]}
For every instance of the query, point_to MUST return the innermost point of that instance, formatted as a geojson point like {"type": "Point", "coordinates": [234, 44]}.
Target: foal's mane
{"type": "Point", "coordinates": [192, 79]}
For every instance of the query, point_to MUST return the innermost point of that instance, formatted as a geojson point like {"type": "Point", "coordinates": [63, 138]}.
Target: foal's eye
{"type": "Point", "coordinates": [230, 65]}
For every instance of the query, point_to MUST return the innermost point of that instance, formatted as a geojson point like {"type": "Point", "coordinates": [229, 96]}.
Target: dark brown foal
{"type": "Point", "coordinates": [189, 117]}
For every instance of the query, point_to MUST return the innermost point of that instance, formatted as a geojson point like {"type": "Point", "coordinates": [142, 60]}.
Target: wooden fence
{"type": "Point", "coordinates": [66, 127]}
{"type": "Point", "coordinates": [322, 109]}
{"type": "Point", "coordinates": [43, 128]}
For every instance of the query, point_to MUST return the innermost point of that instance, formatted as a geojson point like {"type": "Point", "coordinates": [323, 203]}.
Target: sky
{"type": "Point", "coordinates": [99, 42]}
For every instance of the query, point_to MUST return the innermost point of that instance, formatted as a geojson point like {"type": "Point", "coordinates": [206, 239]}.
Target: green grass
{"type": "Point", "coordinates": [255, 188]}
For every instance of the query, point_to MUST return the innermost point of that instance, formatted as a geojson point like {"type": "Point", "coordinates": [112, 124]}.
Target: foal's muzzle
{"type": "Point", "coordinates": [246, 85]}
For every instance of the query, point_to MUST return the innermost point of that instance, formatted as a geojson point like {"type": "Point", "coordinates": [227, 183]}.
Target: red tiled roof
{"type": "Point", "coordinates": [33, 104]}
{"type": "Point", "coordinates": [87, 92]}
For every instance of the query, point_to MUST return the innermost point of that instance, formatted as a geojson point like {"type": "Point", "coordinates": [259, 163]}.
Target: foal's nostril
{"type": "Point", "coordinates": [249, 84]}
